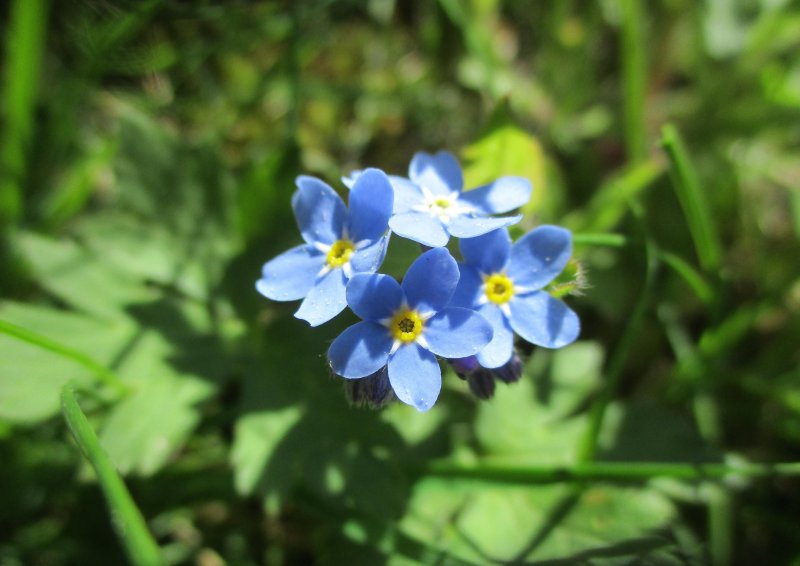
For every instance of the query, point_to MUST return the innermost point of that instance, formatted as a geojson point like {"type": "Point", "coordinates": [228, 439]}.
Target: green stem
{"type": "Point", "coordinates": [634, 79]}
{"type": "Point", "coordinates": [588, 447]}
{"type": "Point", "coordinates": [126, 518]}
{"type": "Point", "coordinates": [623, 472]}
{"type": "Point", "coordinates": [103, 373]}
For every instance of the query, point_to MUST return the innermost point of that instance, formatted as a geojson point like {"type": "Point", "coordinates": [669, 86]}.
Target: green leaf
{"type": "Point", "coordinates": [79, 277]}
{"type": "Point", "coordinates": [531, 419]}
{"type": "Point", "coordinates": [538, 421]}
{"type": "Point", "coordinates": [31, 376]}
{"type": "Point", "coordinates": [505, 149]}
{"type": "Point", "coordinates": [174, 364]}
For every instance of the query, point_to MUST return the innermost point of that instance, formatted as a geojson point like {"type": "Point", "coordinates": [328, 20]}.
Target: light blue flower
{"type": "Point", "coordinates": [338, 244]}
{"type": "Point", "coordinates": [430, 206]}
{"type": "Point", "coordinates": [406, 326]}
{"type": "Point", "coordinates": [503, 283]}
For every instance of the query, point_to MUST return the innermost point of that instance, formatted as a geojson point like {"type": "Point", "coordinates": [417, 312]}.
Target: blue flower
{"type": "Point", "coordinates": [503, 283]}
{"type": "Point", "coordinates": [430, 206]}
{"type": "Point", "coordinates": [406, 326]}
{"type": "Point", "coordinates": [338, 244]}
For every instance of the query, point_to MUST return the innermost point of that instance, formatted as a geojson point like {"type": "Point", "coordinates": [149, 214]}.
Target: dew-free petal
{"type": "Point", "coordinates": [439, 173]}
{"type": "Point", "coordinates": [544, 320]}
{"type": "Point", "coordinates": [539, 256]}
{"type": "Point", "coordinates": [457, 333]}
{"type": "Point", "coordinates": [370, 258]}
{"type": "Point", "coordinates": [415, 376]}
{"type": "Point", "coordinates": [431, 280]}
{"type": "Point", "coordinates": [360, 350]}
{"type": "Point", "coordinates": [469, 288]}
{"type": "Point", "coordinates": [319, 211]}
{"type": "Point", "coordinates": [406, 194]}
{"type": "Point", "coordinates": [420, 227]}
{"type": "Point", "coordinates": [504, 194]}
{"type": "Point", "coordinates": [374, 296]}
{"type": "Point", "coordinates": [325, 300]}
{"type": "Point", "coordinates": [473, 226]}
{"type": "Point", "coordinates": [497, 352]}
{"type": "Point", "coordinates": [291, 275]}
{"type": "Point", "coordinates": [371, 200]}
{"type": "Point", "coordinates": [489, 252]}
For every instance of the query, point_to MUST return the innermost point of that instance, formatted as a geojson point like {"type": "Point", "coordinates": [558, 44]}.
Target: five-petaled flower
{"type": "Point", "coordinates": [406, 326]}
{"type": "Point", "coordinates": [338, 244]}
{"type": "Point", "coordinates": [430, 206]}
{"type": "Point", "coordinates": [504, 283]}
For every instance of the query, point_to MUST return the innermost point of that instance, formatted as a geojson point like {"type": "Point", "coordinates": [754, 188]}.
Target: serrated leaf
{"type": "Point", "coordinates": [505, 149]}
{"type": "Point", "coordinates": [31, 377]}
{"type": "Point", "coordinates": [531, 418]}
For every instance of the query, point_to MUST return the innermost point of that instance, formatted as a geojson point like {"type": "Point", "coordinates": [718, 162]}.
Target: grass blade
{"type": "Point", "coordinates": [126, 518]}
{"type": "Point", "coordinates": [634, 80]}
{"type": "Point", "coordinates": [692, 200]}
{"type": "Point", "coordinates": [24, 48]}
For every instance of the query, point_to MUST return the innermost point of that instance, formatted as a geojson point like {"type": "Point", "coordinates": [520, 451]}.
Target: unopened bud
{"type": "Point", "coordinates": [374, 390]}
{"type": "Point", "coordinates": [481, 383]}
{"type": "Point", "coordinates": [511, 371]}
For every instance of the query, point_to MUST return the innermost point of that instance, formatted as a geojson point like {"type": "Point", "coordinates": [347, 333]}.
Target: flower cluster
{"type": "Point", "coordinates": [467, 313]}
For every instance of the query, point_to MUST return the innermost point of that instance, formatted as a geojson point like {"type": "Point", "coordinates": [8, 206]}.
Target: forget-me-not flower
{"type": "Point", "coordinates": [338, 244]}
{"type": "Point", "coordinates": [406, 326]}
{"type": "Point", "coordinates": [430, 206]}
{"type": "Point", "coordinates": [504, 282]}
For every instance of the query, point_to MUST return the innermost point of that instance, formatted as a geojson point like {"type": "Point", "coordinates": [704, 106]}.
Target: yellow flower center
{"type": "Point", "coordinates": [340, 253]}
{"type": "Point", "coordinates": [498, 288]}
{"type": "Point", "coordinates": [406, 325]}
{"type": "Point", "coordinates": [441, 203]}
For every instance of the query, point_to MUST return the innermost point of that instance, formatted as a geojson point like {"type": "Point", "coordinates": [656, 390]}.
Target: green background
{"type": "Point", "coordinates": [148, 152]}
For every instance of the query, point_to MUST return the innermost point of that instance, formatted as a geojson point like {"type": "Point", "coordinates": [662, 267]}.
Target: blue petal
{"type": "Point", "coordinates": [370, 205]}
{"type": "Point", "coordinates": [420, 227]}
{"type": "Point", "coordinates": [370, 258]}
{"type": "Point", "coordinates": [415, 376]}
{"type": "Point", "coordinates": [489, 253]}
{"type": "Point", "coordinates": [350, 180]}
{"type": "Point", "coordinates": [431, 280]}
{"type": "Point", "coordinates": [469, 288]}
{"type": "Point", "coordinates": [325, 300]}
{"type": "Point", "coordinates": [506, 193]}
{"type": "Point", "coordinates": [319, 211]}
{"type": "Point", "coordinates": [472, 226]}
{"type": "Point", "coordinates": [457, 333]}
{"type": "Point", "coordinates": [543, 320]}
{"type": "Point", "coordinates": [360, 350]}
{"type": "Point", "coordinates": [539, 256]}
{"type": "Point", "coordinates": [374, 296]}
{"type": "Point", "coordinates": [291, 275]}
{"type": "Point", "coordinates": [499, 350]}
{"type": "Point", "coordinates": [440, 173]}
{"type": "Point", "coordinates": [406, 194]}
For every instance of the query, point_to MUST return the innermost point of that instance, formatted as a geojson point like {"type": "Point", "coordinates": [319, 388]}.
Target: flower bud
{"type": "Point", "coordinates": [464, 366]}
{"type": "Point", "coordinates": [373, 391]}
{"type": "Point", "coordinates": [481, 383]}
{"type": "Point", "coordinates": [511, 371]}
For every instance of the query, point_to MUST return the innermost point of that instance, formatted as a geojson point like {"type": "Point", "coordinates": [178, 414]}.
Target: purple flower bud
{"type": "Point", "coordinates": [464, 366]}
{"type": "Point", "coordinates": [373, 391]}
{"type": "Point", "coordinates": [481, 383]}
{"type": "Point", "coordinates": [511, 371]}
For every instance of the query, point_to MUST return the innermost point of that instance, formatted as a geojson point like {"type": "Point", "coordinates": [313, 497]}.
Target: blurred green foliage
{"type": "Point", "coordinates": [147, 158]}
